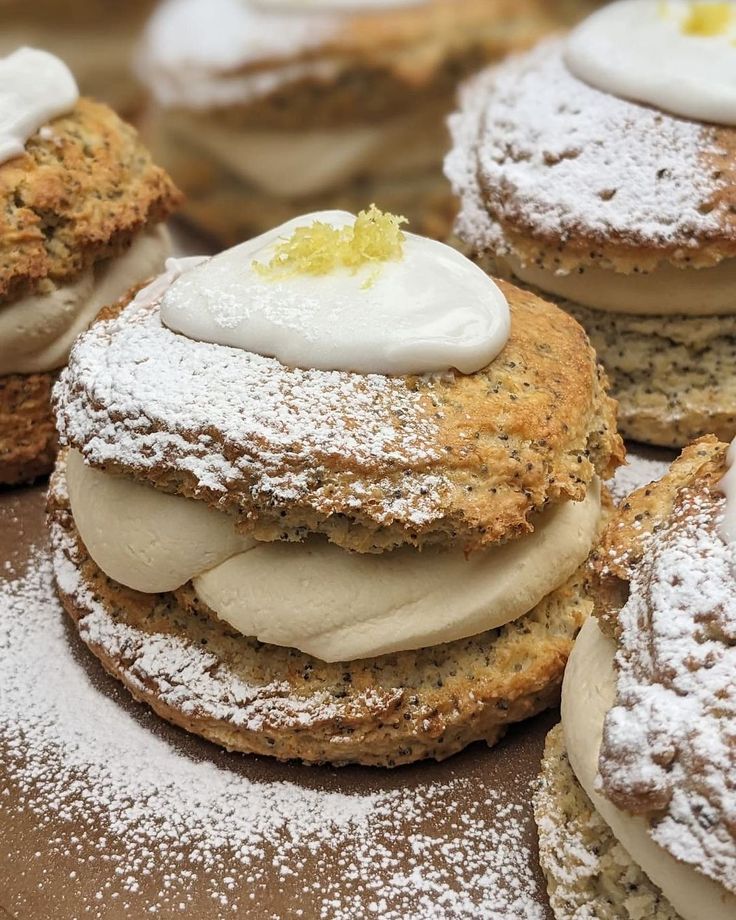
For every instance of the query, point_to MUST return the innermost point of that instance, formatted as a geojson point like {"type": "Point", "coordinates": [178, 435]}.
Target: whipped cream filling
{"type": "Point", "coordinates": [666, 291]}
{"type": "Point", "coordinates": [588, 692]}
{"type": "Point", "coordinates": [430, 310]}
{"type": "Point", "coordinates": [672, 54]}
{"type": "Point", "coordinates": [37, 332]}
{"type": "Point", "coordinates": [727, 486]}
{"type": "Point", "coordinates": [35, 87]}
{"type": "Point", "coordinates": [294, 164]}
{"type": "Point", "coordinates": [335, 605]}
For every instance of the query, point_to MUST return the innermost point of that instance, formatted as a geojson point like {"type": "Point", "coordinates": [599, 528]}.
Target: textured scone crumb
{"type": "Point", "coordinates": [589, 874]}
{"type": "Point", "coordinates": [560, 174]}
{"type": "Point", "coordinates": [370, 461]}
{"type": "Point", "coordinates": [200, 674]}
{"type": "Point", "coordinates": [27, 429]}
{"type": "Point", "coordinates": [80, 193]}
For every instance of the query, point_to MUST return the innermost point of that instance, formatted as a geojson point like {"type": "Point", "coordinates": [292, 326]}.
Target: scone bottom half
{"type": "Point", "coordinates": [481, 458]}
{"type": "Point", "coordinates": [81, 225]}
{"type": "Point", "coordinates": [618, 824]}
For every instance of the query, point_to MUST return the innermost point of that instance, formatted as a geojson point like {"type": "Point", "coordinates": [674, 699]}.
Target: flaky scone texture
{"type": "Point", "coordinates": [589, 874]}
{"type": "Point", "coordinates": [247, 696]}
{"type": "Point", "coordinates": [371, 461]}
{"type": "Point", "coordinates": [80, 193]}
{"type": "Point", "coordinates": [561, 175]}
{"type": "Point", "coordinates": [27, 429]}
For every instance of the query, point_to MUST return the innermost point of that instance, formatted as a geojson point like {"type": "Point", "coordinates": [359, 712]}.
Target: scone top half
{"type": "Point", "coordinates": [301, 388]}
{"type": "Point", "coordinates": [649, 709]}
{"type": "Point", "coordinates": [80, 224]}
{"type": "Point", "coordinates": [268, 65]}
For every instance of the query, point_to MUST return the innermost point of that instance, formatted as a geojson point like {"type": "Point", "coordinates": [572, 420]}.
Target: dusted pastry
{"type": "Point", "coordinates": [637, 802]}
{"type": "Point", "coordinates": [326, 495]}
{"type": "Point", "coordinates": [590, 171]}
{"type": "Point", "coordinates": [82, 206]}
{"type": "Point", "coordinates": [265, 109]}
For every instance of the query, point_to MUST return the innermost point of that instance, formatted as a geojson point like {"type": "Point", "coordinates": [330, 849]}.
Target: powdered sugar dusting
{"type": "Point", "coordinates": [538, 148]}
{"type": "Point", "coordinates": [669, 746]}
{"type": "Point", "coordinates": [143, 397]}
{"type": "Point", "coordinates": [177, 832]}
{"type": "Point", "coordinates": [637, 472]}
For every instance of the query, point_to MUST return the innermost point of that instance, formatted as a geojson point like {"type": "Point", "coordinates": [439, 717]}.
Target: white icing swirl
{"type": "Point", "coordinates": [35, 87]}
{"type": "Point", "coordinates": [430, 311]}
{"type": "Point", "coordinates": [645, 51]}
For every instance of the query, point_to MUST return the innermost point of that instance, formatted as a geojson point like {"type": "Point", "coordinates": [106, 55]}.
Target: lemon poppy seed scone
{"type": "Point", "coordinates": [318, 497]}
{"type": "Point", "coordinates": [265, 109]}
{"type": "Point", "coordinates": [590, 171]}
{"type": "Point", "coordinates": [636, 807]}
{"type": "Point", "coordinates": [82, 206]}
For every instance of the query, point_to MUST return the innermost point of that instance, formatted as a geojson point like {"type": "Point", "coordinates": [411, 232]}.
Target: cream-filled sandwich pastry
{"type": "Point", "coordinates": [326, 495]}
{"type": "Point", "coordinates": [82, 206]}
{"type": "Point", "coordinates": [637, 803]}
{"type": "Point", "coordinates": [265, 109]}
{"type": "Point", "coordinates": [600, 170]}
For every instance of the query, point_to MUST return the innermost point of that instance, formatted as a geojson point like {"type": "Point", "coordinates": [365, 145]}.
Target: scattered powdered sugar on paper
{"type": "Point", "coordinates": [669, 744]}
{"type": "Point", "coordinates": [541, 149]}
{"type": "Point", "coordinates": [73, 753]}
{"type": "Point", "coordinates": [638, 472]}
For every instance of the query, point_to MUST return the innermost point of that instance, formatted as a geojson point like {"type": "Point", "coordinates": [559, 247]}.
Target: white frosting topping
{"type": "Point", "coordinates": [336, 605]}
{"type": "Point", "coordinates": [37, 332]}
{"type": "Point", "coordinates": [666, 291]}
{"type": "Point", "coordinates": [430, 310]}
{"type": "Point", "coordinates": [675, 55]}
{"type": "Point", "coordinates": [588, 693]}
{"type": "Point", "coordinates": [35, 87]}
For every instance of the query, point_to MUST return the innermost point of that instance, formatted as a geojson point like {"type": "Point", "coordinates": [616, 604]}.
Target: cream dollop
{"type": "Point", "coordinates": [316, 597]}
{"type": "Point", "coordinates": [664, 54]}
{"type": "Point", "coordinates": [35, 87]}
{"type": "Point", "coordinates": [666, 291]}
{"type": "Point", "coordinates": [588, 692]}
{"type": "Point", "coordinates": [430, 310]}
{"type": "Point", "coordinates": [37, 332]}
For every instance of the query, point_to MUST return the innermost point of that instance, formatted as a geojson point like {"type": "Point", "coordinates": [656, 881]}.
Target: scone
{"type": "Point", "coordinates": [590, 170]}
{"type": "Point", "coordinates": [286, 520]}
{"type": "Point", "coordinates": [265, 109]}
{"type": "Point", "coordinates": [95, 37]}
{"type": "Point", "coordinates": [82, 212]}
{"type": "Point", "coordinates": [636, 807]}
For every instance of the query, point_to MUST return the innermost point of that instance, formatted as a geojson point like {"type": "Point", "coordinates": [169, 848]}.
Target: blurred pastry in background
{"type": "Point", "coordinates": [95, 38]}
{"type": "Point", "coordinates": [637, 798]}
{"type": "Point", "coordinates": [262, 110]}
{"type": "Point", "coordinates": [82, 206]}
{"type": "Point", "coordinates": [590, 171]}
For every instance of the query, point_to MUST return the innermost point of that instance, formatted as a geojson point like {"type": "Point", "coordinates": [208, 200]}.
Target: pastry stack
{"type": "Point", "coordinates": [82, 212]}
{"type": "Point", "coordinates": [265, 109]}
{"type": "Point", "coordinates": [637, 805]}
{"type": "Point", "coordinates": [591, 170]}
{"type": "Point", "coordinates": [327, 494]}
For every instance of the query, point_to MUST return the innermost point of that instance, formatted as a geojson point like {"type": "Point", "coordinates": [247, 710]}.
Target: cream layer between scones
{"type": "Point", "coordinates": [313, 596]}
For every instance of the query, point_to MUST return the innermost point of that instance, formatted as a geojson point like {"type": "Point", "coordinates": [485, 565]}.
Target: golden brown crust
{"type": "Point", "coordinates": [534, 427]}
{"type": "Point", "coordinates": [27, 430]}
{"type": "Point", "coordinates": [75, 197]}
{"type": "Point", "coordinates": [700, 466]}
{"type": "Point", "coordinates": [256, 698]}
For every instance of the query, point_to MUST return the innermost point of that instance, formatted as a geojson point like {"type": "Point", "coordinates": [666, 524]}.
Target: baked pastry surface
{"type": "Point", "coordinates": [197, 673]}
{"type": "Point", "coordinates": [372, 462]}
{"type": "Point", "coordinates": [27, 427]}
{"type": "Point", "coordinates": [588, 872]}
